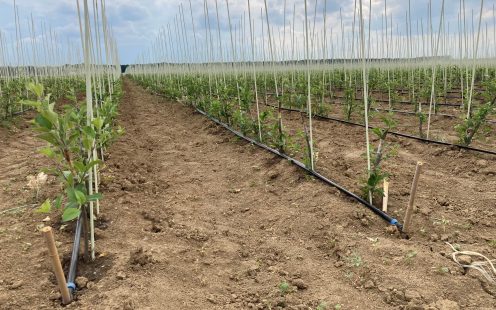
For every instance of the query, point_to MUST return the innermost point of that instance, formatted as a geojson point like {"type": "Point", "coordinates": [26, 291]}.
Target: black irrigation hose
{"type": "Point", "coordinates": [396, 133]}
{"type": "Point", "coordinates": [402, 111]}
{"type": "Point", "coordinates": [19, 112]}
{"type": "Point", "coordinates": [412, 113]}
{"type": "Point", "coordinates": [75, 255]}
{"type": "Point", "coordinates": [405, 101]}
{"type": "Point", "coordinates": [299, 164]}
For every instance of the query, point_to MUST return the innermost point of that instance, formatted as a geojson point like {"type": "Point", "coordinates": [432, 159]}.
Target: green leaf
{"type": "Point", "coordinates": [45, 207]}
{"type": "Point", "coordinates": [89, 131]}
{"type": "Point", "coordinates": [71, 194]}
{"type": "Point", "coordinates": [49, 137]}
{"type": "Point", "coordinates": [70, 214]}
{"type": "Point", "coordinates": [80, 197]}
{"type": "Point", "coordinates": [377, 131]}
{"type": "Point", "coordinates": [94, 197]}
{"type": "Point", "coordinates": [93, 163]}
{"type": "Point", "coordinates": [48, 152]}
{"type": "Point", "coordinates": [43, 122]}
{"type": "Point", "coordinates": [87, 143]}
{"type": "Point", "coordinates": [31, 103]}
{"type": "Point", "coordinates": [79, 166]}
{"type": "Point", "coordinates": [37, 89]}
{"type": "Point", "coordinates": [69, 179]}
{"type": "Point", "coordinates": [98, 123]}
{"type": "Point", "coordinates": [57, 203]}
{"type": "Point", "coordinates": [51, 116]}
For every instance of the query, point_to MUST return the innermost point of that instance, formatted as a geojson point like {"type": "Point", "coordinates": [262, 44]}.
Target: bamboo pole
{"type": "Point", "coordinates": [411, 202]}
{"type": "Point", "coordinates": [57, 266]}
{"type": "Point", "coordinates": [309, 100]}
{"type": "Point", "coordinates": [365, 91]}
{"type": "Point", "coordinates": [386, 196]}
{"type": "Point", "coordinates": [476, 47]}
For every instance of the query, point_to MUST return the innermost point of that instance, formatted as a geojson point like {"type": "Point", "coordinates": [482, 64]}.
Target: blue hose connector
{"type": "Point", "coordinates": [71, 286]}
{"type": "Point", "coordinates": [394, 222]}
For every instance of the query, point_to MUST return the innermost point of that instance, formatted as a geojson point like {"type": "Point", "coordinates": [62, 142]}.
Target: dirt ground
{"type": "Point", "coordinates": [194, 218]}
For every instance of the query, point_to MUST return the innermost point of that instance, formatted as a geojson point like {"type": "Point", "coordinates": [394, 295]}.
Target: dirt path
{"type": "Point", "coordinates": [222, 224]}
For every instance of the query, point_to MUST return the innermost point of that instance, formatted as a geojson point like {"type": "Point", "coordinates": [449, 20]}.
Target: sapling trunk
{"type": "Point", "coordinates": [379, 151]}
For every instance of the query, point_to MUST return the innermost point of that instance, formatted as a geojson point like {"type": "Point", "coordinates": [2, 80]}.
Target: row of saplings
{"type": "Point", "coordinates": [233, 105]}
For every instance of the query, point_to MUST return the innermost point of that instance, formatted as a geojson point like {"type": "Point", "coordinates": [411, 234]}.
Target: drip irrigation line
{"type": "Point", "coordinates": [412, 113]}
{"type": "Point", "coordinates": [406, 112]}
{"type": "Point", "coordinates": [406, 91]}
{"type": "Point", "coordinates": [75, 255]}
{"type": "Point", "coordinates": [19, 112]}
{"type": "Point", "coordinates": [319, 176]}
{"type": "Point", "coordinates": [469, 148]}
{"type": "Point", "coordinates": [440, 102]}
{"type": "Point", "coordinates": [394, 133]}
{"type": "Point", "coordinates": [401, 101]}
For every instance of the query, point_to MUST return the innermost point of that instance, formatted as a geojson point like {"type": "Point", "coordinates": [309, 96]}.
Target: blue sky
{"type": "Point", "coordinates": [137, 23]}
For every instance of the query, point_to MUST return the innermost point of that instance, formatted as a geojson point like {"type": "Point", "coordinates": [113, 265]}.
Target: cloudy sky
{"type": "Point", "coordinates": [136, 24]}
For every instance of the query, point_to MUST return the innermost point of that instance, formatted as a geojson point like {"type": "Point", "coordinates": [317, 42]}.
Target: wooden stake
{"type": "Point", "coordinates": [411, 203]}
{"type": "Point", "coordinates": [386, 196]}
{"type": "Point", "coordinates": [57, 266]}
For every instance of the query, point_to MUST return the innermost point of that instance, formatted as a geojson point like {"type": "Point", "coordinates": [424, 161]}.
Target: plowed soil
{"type": "Point", "coordinates": [194, 218]}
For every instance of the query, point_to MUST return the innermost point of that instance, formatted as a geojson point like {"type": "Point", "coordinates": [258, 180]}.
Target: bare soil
{"type": "Point", "coordinates": [194, 218]}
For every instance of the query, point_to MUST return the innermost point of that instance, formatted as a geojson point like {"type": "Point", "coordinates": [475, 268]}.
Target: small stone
{"type": "Point", "coordinates": [283, 273]}
{"type": "Point", "coordinates": [411, 295]}
{"type": "Point", "coordinates": [464, 259]}
{"type": "Point", "coordinates": [273, 175]}
{"type": "Point", "coordinates": [425, 210]}
{"type": "Point", "coordinates": [487, 223]}
{"type": "Point", "coordinates": [300, 284]}
{"type": "Point", "coordinates": [397, 295]}
{"type": "Point", "coordinates": [55, 296]}
{"type": "Point", "coordinates": [391, 229]}
{"type": "Point", "coordinates": [488, 171]}
{"type": "Point", "coordinates": [281, 302]}
{"type": "Point", "coordinates": [434, 237]}
{"type": "Point", "coordinates": [90, 285]}
{"type": "Point", "coordinates": [339, 264]}
{"type": "Point", "coordinates": [16, 285]}
{"type": "Point", "coordinates": [359, 215]}
{"type": "Point", "coordinates": [365, 222]}
{"type": "Point", "coordinates": [128, 305]}
{"type": "Point", "coordinates": [445, 304]}
{"type": "Point", "coordinates": [442, 201]}
{"type": "Point", "coordinates": [120, 275]}
{"type": "Point", "coordinates": [212, 299]}
{"type": "Point", "coordinates": [81, 282]}
{"type": "Point", "coordinates": [414, 305]}
{"type": "Point", "coordinates": [369, 284]}
{"type": "Point", "coordinates": [444, 237]}
{"type": "Point", "coordinates": [482, 163]}
{"type": "Point", "coordinates": [253, 269]}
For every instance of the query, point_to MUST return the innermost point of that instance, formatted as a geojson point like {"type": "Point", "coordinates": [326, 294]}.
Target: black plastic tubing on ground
{"type": "Point", "coordinates": [299, 164]}
{"type": "Point", "coordinates": [75, 255]}
{"type": "Point", "coordinates": [399, 134]}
